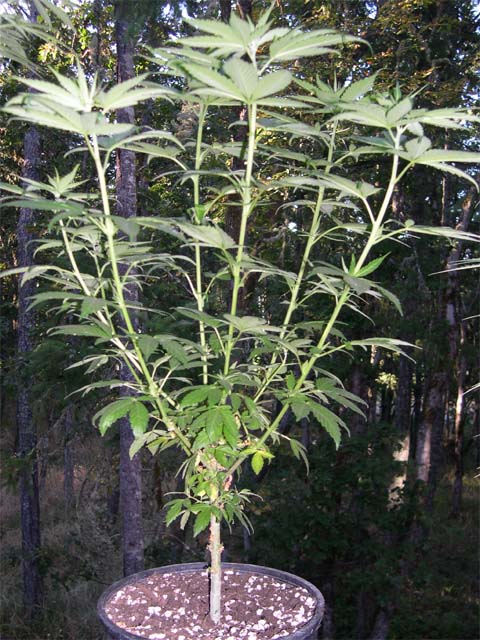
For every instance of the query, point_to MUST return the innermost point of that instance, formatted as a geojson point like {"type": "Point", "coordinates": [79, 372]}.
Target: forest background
{"type": "Point", "coordinates": [387, 525]}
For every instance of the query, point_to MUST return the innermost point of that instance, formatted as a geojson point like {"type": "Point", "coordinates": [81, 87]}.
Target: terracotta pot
{"type": "Point", "coordinates": [307, 632]}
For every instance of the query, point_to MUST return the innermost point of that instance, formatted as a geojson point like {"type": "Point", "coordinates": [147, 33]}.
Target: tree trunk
{"type": "Point", "coordinates": [68, 463]}
{"type": "Point", "coordinates": [403, 403]}
{"type": "Point", "coordinates": [26, 428]}
{"type": "Point", "coordinates": [328, 624]}
{"type": "Point", "coordinates": [459, 427]}
{"type": "Point", "coordinates": [456, 339]}
{"type": "Point", "coordinates": [359, 386]}
{"type": "Point", "coordinates": [476, 431]}
{"type": "Point", "coordinates": [225, 10]}
{"type": "Point", "coordinates": [130, 469]}
{"type": "Point", "coordinates": [429, 437]}
{"type": "Point", "coordinates": [381, 626]}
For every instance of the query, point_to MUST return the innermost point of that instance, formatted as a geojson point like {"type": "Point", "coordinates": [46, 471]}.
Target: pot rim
{"type": "Point", "coordinates": [192, 567]}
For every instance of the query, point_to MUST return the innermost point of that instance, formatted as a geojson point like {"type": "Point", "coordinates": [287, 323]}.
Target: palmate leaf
{"type": "Point", "coordinates": [272, 83]}
{"type": "Point", "coordinates": [329, 421]}
{"type": "Point", "coordinates": [391, 344]}
{"type": "Point", "coordinates": [44, 7]}
{"type": "Point", "coordinates": [208, 236]}
{"type": "Point", "coordinates": [134, 408]}
{"type": "Point", "coordinates": [73, 100]}
{"type": "Point", "coordinates": [243, 75]}
{"type": "Point", "coordinates": [84, 330]}
{"type": "Point", "coordinates": [121, 96]}
{"type": "Point", "coordinates": [397, 113]}
{"type": "Point", "coordinates": [218, 84]}
{"type": "Point", "coordinates": [444, 118]}
{"type": "Point", "coordinates": [216, 28]}
{"type": "Point", "coordinates": [251, 324]}
{"type": "Point", "coordinates": [365, 112]}
{"type": "Point", "coordinates": [445, 232]}
{"type": "Point", "coordinates": [358, 89]}
{"type": "Point", "coordinates": [359, 189]}
{"type": "Point", "coordinates": [219, 46]}
{"type": "Point", "coordinates": [298, 44]}
{"type": "Point", "coordinates": [195, 396]}
{"type": "Point", "coordinates": [48, 112]}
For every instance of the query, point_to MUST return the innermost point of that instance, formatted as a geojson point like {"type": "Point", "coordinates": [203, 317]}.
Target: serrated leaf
{"type": "Point", "coordinates": [111, 413]}
{"type": "Point", "coordinates": [399, 111]}
{"type": "Point", "coordinates": [445, 232]}
{"type": "Point", "coordinates": [184, 520]}
{"type": "Point", "coordinates": [257, 462]}
{"type": "Point", "coordinates": [391, 297]}
{"type": "Point", "coordinates": [391, 344]}
{"type": "Point", "coordinates": [299, 451]}
{"type": "Point", "coordinates": [371, 266]}
{"type": "Point", "coordinates": [195, 396]}
{"type": "Point", "coordinates": [417, 147]}
{"type": "Point", "coordinates": [139, 417]}
{"type": "Point", "coordinates": [448, 168]}
{"type": "Point", "coordinates": [174, 509]}
{"type": "Point", "coordinates": [90, 331]}
{"type": "Point", "coordinates": [138, 444]}
{"type": "Point", "coordinates": [174, 349]}
{"type": "Point", "coordinates": [214, 420]}
{"type": "Point", "coordinates": [271, 84]}
{"type": "Point", "coordinates": [215, 27]}
{"type": "Point", "coordinates": [300, 408]}
{"type": "Point", "coordinates": [298, 44]}
{"type": "Point", "coordinates": [329, 421]}
{"type": "Point", "coordinates": [201, 521]}
{"type": "Point", "coordinates": [148, 345]}
{"type": "Point", "coordinates": [230, 429]}
{"type": "Point", "coordinates": [91, 305]}
{"type": "Point", "coordinates": [243, 75]}
{"type": "Point", "coordinates": [358, 89]}
{"type": "Point", "coordinates": [208, 236]}
{"type": "Point", "coordinates": [218, 84]}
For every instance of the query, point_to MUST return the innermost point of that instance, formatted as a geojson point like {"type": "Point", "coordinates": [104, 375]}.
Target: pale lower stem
{"type": "Point", "coordinates": [215, 570]}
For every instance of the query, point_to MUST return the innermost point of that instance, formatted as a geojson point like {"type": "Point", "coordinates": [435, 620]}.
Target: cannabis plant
{"type": "Point", "coordinates": [220, 394]}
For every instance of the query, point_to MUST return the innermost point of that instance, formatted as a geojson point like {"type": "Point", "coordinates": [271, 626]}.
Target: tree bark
{"type": "Point", "coordinates": [456, 339]}
{"type": "Point", "coordinates": [26, 428]}
{"type": "Point", "coordinates": [68, 462]}
{"type": "Point", "coordinates": [381, 626]}
{"type": "Point", "coordinates": [126, 189]}
{"type": "Point", "coordinates": [359, 386]}
{"type": "Point", "coordinates": [403, 403]}
{"type": "Point", "coordinates": [429, 437]}
{"type": "Point", "coordinates": [459, 431]}
{"type": "Point", "coordinates": [225, 10]}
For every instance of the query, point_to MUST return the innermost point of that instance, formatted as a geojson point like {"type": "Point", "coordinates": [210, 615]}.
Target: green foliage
{"type": "Point", "coordinates": [209, 388]}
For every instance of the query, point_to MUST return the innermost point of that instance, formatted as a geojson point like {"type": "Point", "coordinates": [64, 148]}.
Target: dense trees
{"type": "Point", "coordinates": [347, 532]}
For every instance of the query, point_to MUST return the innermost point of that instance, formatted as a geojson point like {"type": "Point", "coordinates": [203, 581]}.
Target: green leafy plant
{"type": "Point", "coordinates": [213, 395]}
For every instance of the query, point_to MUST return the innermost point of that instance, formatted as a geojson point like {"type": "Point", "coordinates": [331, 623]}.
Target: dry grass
{"type": "Point", "coordinates": [79, 558]}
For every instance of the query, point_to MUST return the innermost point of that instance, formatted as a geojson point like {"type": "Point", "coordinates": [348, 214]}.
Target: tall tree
{"type": "Point", "coordinates": [130, 468]}
{"type": "Point", "coordinates": [26, 428]}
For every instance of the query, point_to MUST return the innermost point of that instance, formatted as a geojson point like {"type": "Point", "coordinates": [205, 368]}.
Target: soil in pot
{"type": "Point", "coordinates": [174, 606]}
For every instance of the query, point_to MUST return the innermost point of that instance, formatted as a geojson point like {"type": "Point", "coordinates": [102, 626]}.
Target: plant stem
{"type": "Point", "coordinates": [246, 210]}
{"type": "Point", "coordinates": [215, 570]}
{"type": "Point", "coordinates": [309, 364]}
{"type": "Point", "coordinates": [199, 295]}
{"type": "Point", "coordinates": [152, 386]}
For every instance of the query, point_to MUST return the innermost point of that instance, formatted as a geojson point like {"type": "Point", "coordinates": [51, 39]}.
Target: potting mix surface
{"type": "Point", "coordinates": [174, 606]}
